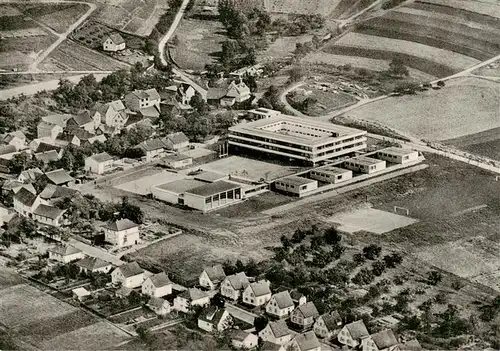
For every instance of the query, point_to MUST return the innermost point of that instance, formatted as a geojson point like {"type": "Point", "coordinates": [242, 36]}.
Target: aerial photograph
{"type": "Point", "coordinates": [267, 175]}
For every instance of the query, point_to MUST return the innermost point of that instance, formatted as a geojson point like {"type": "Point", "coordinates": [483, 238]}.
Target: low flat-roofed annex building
{"type": "Point", "coordinates": [364, 164]}
{"type": "Point", "coordinates": [397, 155]}
{"type": "Point", "coordinates": [263, 113]}
{"type": "Point", "coordinates": [173, 192]}
{"type": "Point", "coordinates": [330, 174]}
{"type": "Point", "coordinates": [295, 185]}
{"type": "Point", "coordinates": [211, 196]}
{"type": "Point", "coordinates": [299, 139]}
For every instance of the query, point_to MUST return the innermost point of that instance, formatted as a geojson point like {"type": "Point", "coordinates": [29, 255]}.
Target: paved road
{"type": "Point", "coordinates": [241, 314]}
{"type": "Point", "coordinates": [37, 87]}
{"type": "Point", "coordinates": [171, 30]}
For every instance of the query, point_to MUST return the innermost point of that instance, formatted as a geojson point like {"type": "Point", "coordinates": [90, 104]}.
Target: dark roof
{"type": "Point", "coordinates": [357, 330]}
{"type": "Point", "coordinates": [216, 93]}
{"type": "Point", "coordinates": [59, 176]}
{"type": "Point", "coordinates": [44, 147]}
{"type": "Point", "coordinates": [64, 250]}
{"type": "Point", "coordinates": [25, 197]}
{"type": "Point", "coordinates": [7, 149]}
{"type": "Point", "coordinates": [92, 263]}
{"type": "Point", "coordinates": [48, 211]}
{"type": "Point", "coordinates": [212, 315]}
{"type": "Point", "coordinates": [238, 281]}
{"type": "Point", "coordinates": [52, 191]}
{"type": "Point", "coordinates": [81, 134]}
{"type": "Point", "coordinates": [159, 280]}
{"type": "Point", "coordinates": [157, 302]}
{"type": "Point", "coordinates": [177, 138]}
{"type": "Point", "coordinates": [151, 145]}
{"type": "Point", "coordinates": [116, 38]}
{"type": "Point", "coordinates": [47, 156]}
{"type": "Point", "coordinates": [213, 188]}
{"type": "Point", "coordinates": [308, 310]}
{"type": "Point", "coordinates": [121, 224]}
{"type": "Point", "coordinates": [59, 119]}
{"type": "Point", "coordinates": [215, 273]}
{"type": "Point", "coordinates": [332, 320]}
{"type": "Point", "coordinates": [283, 299]}
{"type": "Point", "coordinates": [151, 111]}
{"type": "Point", "coordinates": [307, 341]}
{"type": "Point", "coordinates": [279, 329]}
{"type": "Point", "coordinates": [384, 339]}
{"type": "Point", "coordinates": [131, 269]}
{"type": "Point", "coordinates": [269, 346]}
{"type": "Point", "coordinates": [193, 294]}
{"type": "Point", "coordinates": [411, 345]}
{"type": "Point", "coordinates": [180, 186]}
{"type": "Point", "coordinates": [239, 335]}
{"type": "Point", "coordinates": [102, 157]}
{"type": "Point", "coordinates": [82, 118]}
{"type": "Point", "coordinates": [296, 296]}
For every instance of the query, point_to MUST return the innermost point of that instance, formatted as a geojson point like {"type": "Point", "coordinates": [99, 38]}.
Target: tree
{"type": "Point", "coordinates": [372, 252]}
{"type": "Point", "coordinates": [218, 301]}
{"type": "Point", "coordinates": [378, 268]}
{"type": "Point", "coordinates": [260, 323]}
{"type": "Point", "coordinates": [332, 236]}
{"type": "Point", "coordinates": [397, 67]}
{"type": "Point", "coordinates": [19, 162]}
{"type": "Point", "coordinates": [393, 260]}
{"type": "Point", "coordinates": [363, 277]}
{"type": "Point", "coordinates": [130, 211]}
{"type": "Point", "coordinates": [434, 277]}
{"type": "Point", "coordinates": [441, 84]}
{"type": "Point", "coordinates": [358, 258]}
{"type": "Point", "coordinates": [198, 103]}
{"type": "Point", "coordinates": [134, 298]}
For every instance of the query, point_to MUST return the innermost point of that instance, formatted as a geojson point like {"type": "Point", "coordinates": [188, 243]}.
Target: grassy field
{"type": "Point", "coordinates": [487, 8]}
{"type": "Point", "coordinates": [326, 101]}
{"type": "Point", "coordinates": [306, 7]}
{"type": "Point", "coordinates": [466, 106]}
{"type": "Point", "coordinates": [283, 47]}
{"type": "Point", "coordinates": [484, 143]}
{"type": "Point", "coordinates": [198, 44]}
{"type": "Point", "coordinates": [56, 16]}
{"type": "Point", "coordinates": [73, 56]}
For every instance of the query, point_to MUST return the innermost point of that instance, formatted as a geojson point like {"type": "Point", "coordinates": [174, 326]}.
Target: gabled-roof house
{"type": "Point", "coordinates": [129, 275]}
{"type": "Point", "coordinates": [327, 325]}
{"type": "Point", "coordinates": [58, 119]}
{"type": "Point", "coordinates": [26, 202]}
{"type": "Point", "coordinates": [213, 319]}
{"type": "Point", "coordinates": [82, 120]}
{"type": "Point", "coordinates": [157, 285]}
{"type": "Point", "coordinates": [280, 305]}
{"type": "Point", "coordinates": [59, 177]}
{"type": "Point", "coordinates": [276, 332]}
{"type": "Point", "coordinates": [211, 277]}
{"type": "Point", "coordinates": [304, 315]}
{"type": "Point", "coordinates": [16, 139]}
{"type": "Point", "coordinates": [113, 42]}
{"type": "Point", "coordinates": [50, 131]}
{"type": "Point", "coordinates": [94, 265]}
{"type": "Point", "coordinates": [52, 193]}
{"type": "Point", "coordinates": [352, 334]}
{"type": "Point", "coordinates": [229, 95]}
{"type": "Point", "coordinates": [159, 306]}
{"type": "Point", "coordinates": [191, 297]}
{"type": "Point", "coordinates": [257, 294]}
{"type": "Point", "coordinates": [113, 114]}
{"type": "Point", "coordinates": [142, 99]}
{"type": "Point", "coordinates": [243, 340]}
{"type": "Point", "coordinates": [152, 148]}
{"type": "Point", "coordinates": [233, 285]}
{"type": "Point", "coordinates": [49, 215]}
{"type": "Point", "coordinates": [99, 163]}
{"type": "Point", "coordinates": [305, 342]}
{"type": "Point", "coordinates": [176, 141]}
{"type": "Point", "coordinates": [384, 340]}
{"type": "Point", "coordinates": [65, 254]}
{"type": "Point", "coordinates": [47, 156]}
{"type": "Point", "coordinates": [122, 232]}
{"type": "Point", "coordinates": [30, 175]}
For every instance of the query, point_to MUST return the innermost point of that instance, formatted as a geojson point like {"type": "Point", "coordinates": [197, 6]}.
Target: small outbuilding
{"type": "Point", "coordinates": [331, 174]}
{"type": "Point", "coordinates": [295, 185]}
{"type": "Point", "coordinates": [397, 155]}
{"type": "Point", "coordinates": [113, 42]}
{"type": "Point", "coordinates": [365, 164]}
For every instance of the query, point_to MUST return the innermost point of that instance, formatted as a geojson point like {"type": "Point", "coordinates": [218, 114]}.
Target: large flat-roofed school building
{"type": "Point", "coordinates": [299, 139]}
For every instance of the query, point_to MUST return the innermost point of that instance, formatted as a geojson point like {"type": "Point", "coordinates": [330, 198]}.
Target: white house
{"type": "Point", "coordinates": [49, 215]}
{"type": "Point", "coordinates": [211, 277]}
{"type": "Point", "coordinates": [81, 294]}
{"type": "Point", "coordinates": [142, 99]}
{"type": "Point", "coordinates": [65, 254]}
{"type": "Point", "coordinates": [243, 340]}
{"type": "Point", "coordinates": [113, 115]}
{"type": "Point", "coordinates": [159, 306]}
{"type": "Point", "coordinates": [157, 285]}
{"type": "Point", "coordinates": [296, 185]}
{"type": "Point", "coordinates": [304, 315]}
{"type": "Point", "coordinates": [331, 174]}
{"type": "Point", "coordinates": [263, 113]}
{"type": "Point", "coordinates": [30, 175]}
{"type": "Point", "coordinates": [48, 131]}
{"type": "Point", "coordinates": [113, 42]}
{"type": "Point", "coordinates": [238, 91]}
{"type": "Point", "coordinates": [176, 141]}
{"type": "Point", "coordinates": [364, 164]}
{"type": "Point", "coordinates": [26, 202]}
{"type": "Point", "coordinates": [280, 305]}
{"type": "Point", "coordinates": [384, 340]}
{"type": "Point", "coordinates": [152, 148]}
{"type": "Point", "coordinates": [305, 342]}
{"type": "Point", "coordinates": [178, 161]}
{"type": "Point", "coordinates": [94, 265]}
{"type": "Point", "coordinates": [276, 332]}
{"type": "Point", "coordinates": [257, 294]}
{"type": "Point", "coordinates": [129, 275]}
{"type": "Point", "coordinates": [16, 139]}
{"type": "Point", "coordinates": [352, 334]}
{"type": "Point", "coordinates": [99, 163]}
{"type": "Point", "coordinates": [122, 232]}
{"type": "Point", "coordinates": [233, 285]}
{"type": "Point", "coordinates": [327, 325]}
{"type": "Point", "coordinates": [191, 297]}
{"type": "Point", "coordinates": [397, 155]}
{"type": "Point", "coordinates": [214, 319]}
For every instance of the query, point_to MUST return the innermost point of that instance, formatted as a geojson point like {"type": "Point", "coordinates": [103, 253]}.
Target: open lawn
{"type": "Point", "coordinates": [198, 44]}
{"type": "Point", "coordinates": [465, 106]}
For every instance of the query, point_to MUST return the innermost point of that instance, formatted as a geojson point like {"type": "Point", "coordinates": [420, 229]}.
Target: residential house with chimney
{"type": "Point", "coordinates": [212, 277]}
{"type": "Point", "coordinates": [304, 315]}
{"type": "Point", "coordinates": [233, 285]}
{"type": "Point", "coordinates": [129, 275]}
{"type": "Point", "coordinates": [157, 285]}
{"type": "Point", "coordinates": [214, 319]}
{"type": "Point", "coordinates": [122, 232]}
{"type": "Point", "coordinates": [280, 305]}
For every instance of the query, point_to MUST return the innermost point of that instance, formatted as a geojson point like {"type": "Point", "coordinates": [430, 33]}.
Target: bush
{"type": "Point", "coordinates": [393, 260]}
{"type": "Point", "coordinates": [372, 252]}
{"type": "Point", "coordinates": [363, 277]}
{"type": "Point", "coordinates": [378, 268]}
{"type": "Point", "coordinates": [434, 277]}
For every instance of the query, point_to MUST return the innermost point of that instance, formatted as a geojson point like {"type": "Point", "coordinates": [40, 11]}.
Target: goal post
{"type": "Point", "coordinates": [401, 210]}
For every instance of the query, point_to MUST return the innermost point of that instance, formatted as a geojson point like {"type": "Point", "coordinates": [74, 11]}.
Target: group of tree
{"type": "Point", "coordinates": [271, 99]}
{"type": "Point", "coordinates": [372, 252]}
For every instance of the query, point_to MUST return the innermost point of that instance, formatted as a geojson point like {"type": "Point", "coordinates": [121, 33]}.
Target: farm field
{"type": "Point", "coordinates": [132, 16]}
{"type": "Point", "coordinates": [198, 44]}
{"type": "Point", "coordinates": [465, 106]}
{"type": "Point", "coordinates": [437, 37]}
{"type": "Point", "coordinates": [305, 7]}
{"type": "Point", "coordinates": [324, 101]}
{"type": "Point", "coordinates": [73, 56]}
{"type": "Point", "coordinates": [347, 8]}
{"type": "Point", "coordinates": [359, 62]}
{"type": "Point", "coordinates": [484, 143]}
{"type": "Point", "coordinates": [39, 320]}
{"type": "Point", "coordinates": [58, 17]}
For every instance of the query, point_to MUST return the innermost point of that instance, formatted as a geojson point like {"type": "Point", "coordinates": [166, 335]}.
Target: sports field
{"type": "Point", "coordinates": [143, 184]}
{"type": "Point", "coordinates": [370, 220]}
{"type": "Point", "coordinates": [465, 106]}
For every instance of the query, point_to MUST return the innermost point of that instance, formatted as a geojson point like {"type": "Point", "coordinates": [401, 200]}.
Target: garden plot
{"type": "Point", "coordinates": [466, 106]}
{"type": "Point", "coordinates": [59, 17]}
{"type": "Point", "coordinates": [370, 220]}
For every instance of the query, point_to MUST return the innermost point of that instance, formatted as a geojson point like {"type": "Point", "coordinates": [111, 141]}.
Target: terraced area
{"type": "Point", "coordinates": [438, 37]}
